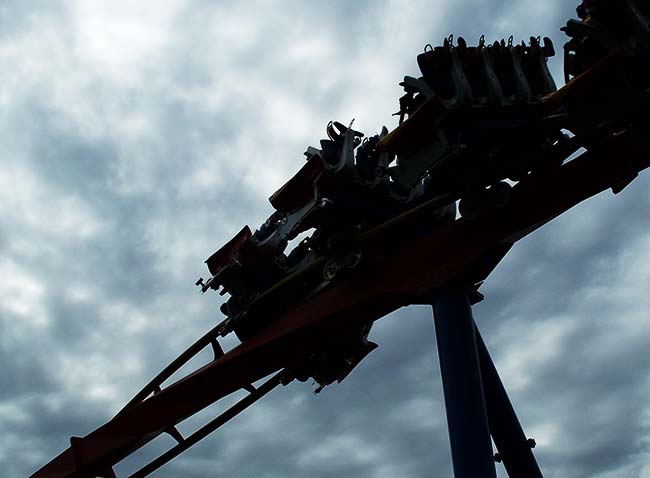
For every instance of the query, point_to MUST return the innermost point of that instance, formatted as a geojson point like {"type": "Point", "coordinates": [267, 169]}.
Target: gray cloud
{"type": "Point", "coordinates": [138, 139]}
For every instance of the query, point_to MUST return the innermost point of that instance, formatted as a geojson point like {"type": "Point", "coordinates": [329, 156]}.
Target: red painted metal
{"type": "Point", "coordinates": [217, 261]}
{"type": "Point", "coordinates": [409, 268]}
{"type": "Point", "coordinates": [299, 189]}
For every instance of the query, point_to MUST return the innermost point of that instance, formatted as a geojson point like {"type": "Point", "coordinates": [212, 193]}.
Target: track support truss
{"type": "Point", "coordinates": [184, 443]}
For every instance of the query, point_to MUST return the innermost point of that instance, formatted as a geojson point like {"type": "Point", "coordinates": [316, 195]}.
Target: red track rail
{"type": "Point", "coordinates": [364, 296]}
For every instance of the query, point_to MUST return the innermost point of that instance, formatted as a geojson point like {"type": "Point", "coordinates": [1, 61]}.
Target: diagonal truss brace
{"type": "Point", "coordinates": [213, 425]}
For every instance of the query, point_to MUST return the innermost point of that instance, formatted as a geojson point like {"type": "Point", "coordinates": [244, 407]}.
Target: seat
{"type": "Point", "coordinates": [442, 71]}
{"type": "Point", "coordinates": [477, 68]}
{"type": "Point", "coordinates": [534, 63]}
{"type": "Point", "coordinates": [506, 62]}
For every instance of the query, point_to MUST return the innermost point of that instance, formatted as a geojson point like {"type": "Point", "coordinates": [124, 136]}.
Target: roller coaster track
{"type": "Point", "coordinates": [397, 269]}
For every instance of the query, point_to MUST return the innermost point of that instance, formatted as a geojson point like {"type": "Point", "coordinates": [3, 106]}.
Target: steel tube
{"type": "Point", "coordinates": [514, 449]}
{"type": "Point", "coordinates": [469, 435]}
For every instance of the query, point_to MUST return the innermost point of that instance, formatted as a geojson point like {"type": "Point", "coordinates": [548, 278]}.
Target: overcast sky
{"type": "Point", "coordinates": [137, 137]}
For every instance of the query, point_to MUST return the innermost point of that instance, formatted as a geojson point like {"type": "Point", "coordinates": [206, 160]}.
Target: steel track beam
{"type": "Point", "coordinates": [398, 272]}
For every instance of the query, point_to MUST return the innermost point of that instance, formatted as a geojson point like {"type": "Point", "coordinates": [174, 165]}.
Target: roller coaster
{"type": "Point", "coordinates": [487, 151]}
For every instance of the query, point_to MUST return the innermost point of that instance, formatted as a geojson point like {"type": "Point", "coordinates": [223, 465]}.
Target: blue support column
{"type": "Point", "coordinates": [469, 435]}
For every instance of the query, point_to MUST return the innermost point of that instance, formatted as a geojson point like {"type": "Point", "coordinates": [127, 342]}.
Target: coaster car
{"type": "Point", "coordinates": [376, 223]}
{"type": "Point", "coordinates": [477, 119]}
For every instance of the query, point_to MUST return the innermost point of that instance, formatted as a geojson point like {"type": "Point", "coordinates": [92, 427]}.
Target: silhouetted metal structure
{"type": "Point", "coordinates": [484, 128]}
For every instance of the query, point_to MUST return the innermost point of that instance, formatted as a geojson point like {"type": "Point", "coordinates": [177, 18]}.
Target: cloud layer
{"type": "Point", "coordinates": [137, 139]}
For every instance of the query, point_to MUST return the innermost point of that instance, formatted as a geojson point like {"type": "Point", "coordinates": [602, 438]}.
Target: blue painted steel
{"type": "Point", "coordinates": [514, 449]}
{"type": "Point", "coordinates": [469, 435]}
